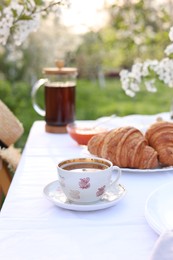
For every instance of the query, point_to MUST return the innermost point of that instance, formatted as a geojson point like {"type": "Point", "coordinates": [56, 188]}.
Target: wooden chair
{"type": "Point", "coordinates": [5, 180]}
{"type": "Point", "coordinates": [11, 130]}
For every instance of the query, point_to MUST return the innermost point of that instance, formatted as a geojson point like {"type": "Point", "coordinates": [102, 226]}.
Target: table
{"type": "Point", "coordinates": [33, 228]}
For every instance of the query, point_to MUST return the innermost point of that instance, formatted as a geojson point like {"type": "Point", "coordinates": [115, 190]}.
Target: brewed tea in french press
{"type": "Point", "coordinates": [59, 97]}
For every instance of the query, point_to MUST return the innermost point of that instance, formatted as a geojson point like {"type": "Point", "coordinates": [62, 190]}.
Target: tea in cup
{"type": "Point", "coordinates": [85, 180]}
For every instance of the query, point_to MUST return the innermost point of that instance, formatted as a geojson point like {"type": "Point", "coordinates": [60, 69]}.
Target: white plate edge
{"type": "Point", "coordinates": [151, 221]}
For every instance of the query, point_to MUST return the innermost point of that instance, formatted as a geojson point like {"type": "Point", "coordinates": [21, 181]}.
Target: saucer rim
{"type": "Point", "coordinates": [102, 204]}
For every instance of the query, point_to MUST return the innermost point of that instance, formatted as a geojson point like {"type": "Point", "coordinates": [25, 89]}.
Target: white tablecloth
{"type": "Point", "coordinates": [31, 227]}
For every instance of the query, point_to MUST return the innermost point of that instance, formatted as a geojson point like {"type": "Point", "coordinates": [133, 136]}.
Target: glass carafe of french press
{"type": "Point", "coordinates": [59, 97]}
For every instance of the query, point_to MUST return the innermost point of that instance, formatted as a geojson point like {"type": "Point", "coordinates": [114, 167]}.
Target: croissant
{"type": "Point", "coordinates": [160, 137]}
{"type": "Point", "coordinates": [126, 147]}
{"type": "Point", "coordinates": [95, 146]}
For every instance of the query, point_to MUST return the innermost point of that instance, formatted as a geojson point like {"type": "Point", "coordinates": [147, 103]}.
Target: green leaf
{"type": "Point", "coordinates": [38, 2]}
{"type": "Point", "coordinates": [5, 3]}
{"type": "Point", "coordinates": [14, 13]}
{"type": "Point", "coordinates": [25, 17]}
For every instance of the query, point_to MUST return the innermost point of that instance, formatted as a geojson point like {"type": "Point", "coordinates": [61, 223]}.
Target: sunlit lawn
{"type": "Point", "coordinates": [93, 101]}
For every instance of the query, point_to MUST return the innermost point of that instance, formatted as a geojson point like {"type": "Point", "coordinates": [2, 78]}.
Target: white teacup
{"type": "Point", "coordinates": [85, 180]}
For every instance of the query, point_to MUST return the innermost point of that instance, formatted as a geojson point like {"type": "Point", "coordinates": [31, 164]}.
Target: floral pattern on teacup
{"type": "Point", "coordinates": [100, 191]}
{"type": "Point", "coordinates": [75, 194]}
{"type": "Point", "coordinates": [84, 183]}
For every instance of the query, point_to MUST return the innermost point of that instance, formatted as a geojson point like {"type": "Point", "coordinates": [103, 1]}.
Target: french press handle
{"type": "Point", "coordinates": [35, 88]}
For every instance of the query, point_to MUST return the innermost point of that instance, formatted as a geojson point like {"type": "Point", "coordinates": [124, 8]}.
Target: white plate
{"type": "Point", "coordinates": [168, 169]}
{"type": "Point", "coordinates": [54, 193]}
{"type": "Point", "coordinates": [159, 208]}
{"type": "Point", "coordinates": [164, 169]}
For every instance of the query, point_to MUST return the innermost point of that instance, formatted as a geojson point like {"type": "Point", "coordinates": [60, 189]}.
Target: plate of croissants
{"type": "Point", "coordinates": [134, 151]}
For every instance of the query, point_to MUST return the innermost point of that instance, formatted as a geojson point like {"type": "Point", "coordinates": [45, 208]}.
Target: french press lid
{"type": "Point", "coordinates": [60, 69]}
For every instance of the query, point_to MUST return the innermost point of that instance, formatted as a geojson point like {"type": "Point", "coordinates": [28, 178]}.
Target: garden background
{"type": "Point", "coordinates": [134, 31]}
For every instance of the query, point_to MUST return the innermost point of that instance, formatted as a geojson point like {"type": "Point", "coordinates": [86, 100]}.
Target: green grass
{"type": "Point", "coordinates": [91, 102]}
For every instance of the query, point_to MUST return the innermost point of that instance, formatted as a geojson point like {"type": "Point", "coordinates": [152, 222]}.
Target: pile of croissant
{"type": "Point", "coordinates": [128, 147]}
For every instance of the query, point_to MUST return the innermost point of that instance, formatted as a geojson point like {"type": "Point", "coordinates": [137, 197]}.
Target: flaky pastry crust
{"type": "Point", "coordinates": [126, 147]}
{"type": "Point", "coordinates": [160, 137]}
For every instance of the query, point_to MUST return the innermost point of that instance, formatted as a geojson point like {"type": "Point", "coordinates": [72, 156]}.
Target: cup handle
{"type": "Point", "coordinates": [35, 88]}
{"type": "Point", "coordinates": [118, 175]}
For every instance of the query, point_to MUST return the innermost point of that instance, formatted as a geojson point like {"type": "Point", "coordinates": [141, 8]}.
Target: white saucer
{"type": "Point", "coordinates": [54, 193]}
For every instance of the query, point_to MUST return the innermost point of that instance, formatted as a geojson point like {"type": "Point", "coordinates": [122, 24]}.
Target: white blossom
{"type": "Point", "coordinates": [19, 20]}
{"type": "Point", "coordinates": [169, 49]}
{"type": "Point", "coordinates": [24, 28]}
{"type": "Point", "coordinates": [5, 24]}
{"type": "Point", "coordinates": [130, 93]}
{"type": "Point", "coordinates": [148, 71]}
{"type": "Point", "coordinates": [150, 85]}
{"type": "Point", "coordinates": [171, 34]}
{"type": "Point", "coordinates": [136, 71]}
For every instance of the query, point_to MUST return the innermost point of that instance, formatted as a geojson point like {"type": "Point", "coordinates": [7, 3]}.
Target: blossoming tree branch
{"type": "Point", "coordinates": [148, 72]}
{"type": "Point", "coordinates": [18, 18]}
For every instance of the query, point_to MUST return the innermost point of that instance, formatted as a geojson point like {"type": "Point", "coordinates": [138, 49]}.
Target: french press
{"type": "Point", "coordinates": [59, 97]}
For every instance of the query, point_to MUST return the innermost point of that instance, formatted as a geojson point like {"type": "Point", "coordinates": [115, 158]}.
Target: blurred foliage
{"type": "Point", "coordinates": [139, 27]}
{"type": "Point", "coordinates": [51, 42]}
{"type": "Point", "coordinates": [136, 30]}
